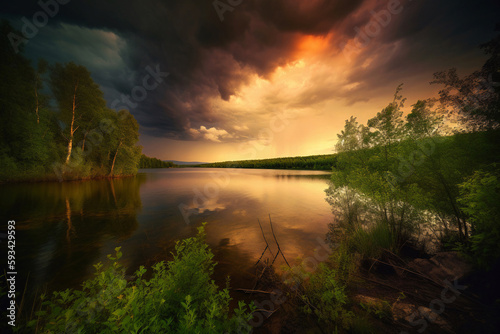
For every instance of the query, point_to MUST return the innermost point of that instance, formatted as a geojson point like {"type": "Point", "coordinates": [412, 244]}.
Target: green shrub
{"type": "Point", "coordinates": [371, 243]}
{"type": "Point", "coordinates": [325, 297]}
{"type": "Point", "coordinates": [180, 297]}
{"type": "Point", "coordinates": [480, 201]}
{"type": "Point", "coordinates": [380, 308]}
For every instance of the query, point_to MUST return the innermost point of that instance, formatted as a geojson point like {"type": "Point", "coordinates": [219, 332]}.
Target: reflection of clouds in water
{"type": "Point", "coordinates": [242, 213]}
{"type": "Point", "coordinates": [208, 206]}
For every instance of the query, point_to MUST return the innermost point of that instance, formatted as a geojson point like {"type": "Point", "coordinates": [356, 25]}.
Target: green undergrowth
{"type": "Point", "coordinates": [180, 297]}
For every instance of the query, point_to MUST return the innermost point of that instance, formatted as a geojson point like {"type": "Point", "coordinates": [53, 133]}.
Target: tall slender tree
{"type": "Point", "coordinates": [78, 98]}
{"type": "Point", "coordinates": [125, 140]}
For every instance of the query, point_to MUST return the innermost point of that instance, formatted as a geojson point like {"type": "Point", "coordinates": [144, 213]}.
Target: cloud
{"type": "Point", "coordinates": [224, 74]}
{"type": "Point", "coordinates": [211, 134]}
{"type": "Point", "coordinates": [240, 127]}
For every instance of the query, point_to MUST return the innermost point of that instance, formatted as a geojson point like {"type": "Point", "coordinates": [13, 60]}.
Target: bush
{"type": "Point", "coordinates": [180, 297]}
{"type": "Point", "coordinates": [371, 243]}
{"type": "Point", "coordinates": [325, 297]}
{"type": "Point", "coordinates": [480, 201]}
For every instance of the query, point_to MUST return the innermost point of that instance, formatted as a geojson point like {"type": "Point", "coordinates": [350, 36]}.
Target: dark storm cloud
{"type": "Point", "coordinates": [422, 38]}
{"type": "Point", "coordinates": [427, 36]}
{"type": "Point", "coordinates": [207, 58]}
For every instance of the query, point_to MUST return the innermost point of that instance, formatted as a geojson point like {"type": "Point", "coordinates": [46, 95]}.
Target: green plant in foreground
{"type": "Point", "coordinates": [326, 298]}
{"type": "Point", "coordinates": [180, 297]}
{"type": "Point", "coordinates": [380, 308]}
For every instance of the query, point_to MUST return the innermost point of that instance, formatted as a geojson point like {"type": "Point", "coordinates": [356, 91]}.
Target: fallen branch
{"type": "Point", "coordinates": [279, 248]}
{"type": "Point", "coordinates": [256, 291]}
{"type": "Point", "coordinates": [267, 244]}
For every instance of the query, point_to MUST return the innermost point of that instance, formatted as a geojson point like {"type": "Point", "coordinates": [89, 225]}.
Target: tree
{"type": "Point", "coordinates": [479, 199]}
{"type": "Point", "coordinates": [26, 141]}
{"type": "Point", "coordinates": [76, 141]}
{"type": "Point", "coordinates": [474, 99]}
{"type": "Point", "coordinates": [41, 70]}
{"type": "Point", "coordinates": [349, 138]}
{"type": "Point", "coordinates": [387, 127]}
{"type": "Point", "coordinates": [147, 162]}
{"type": "Point", "coordinates": [422, 121]}
{"type": "Point", "coordinates": [78, 98]}
{"type": "Point", "coordinates": [125, 138]}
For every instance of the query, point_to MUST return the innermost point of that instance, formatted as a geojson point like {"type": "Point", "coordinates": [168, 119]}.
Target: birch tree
{"type": "Point", "coordinates": [78, 98]}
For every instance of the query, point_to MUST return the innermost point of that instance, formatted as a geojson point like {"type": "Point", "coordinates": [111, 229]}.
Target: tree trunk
{"type": "Point", "coordinates": [114, 159]}
{"type": "Point", "coordinates": [70, 146]}
{"type": "Point", "coordinates": [36, 109]}
{"type": "Point", "coordinates": [72, 129]}
{"type": "Point", "coordinates": [84, 138]}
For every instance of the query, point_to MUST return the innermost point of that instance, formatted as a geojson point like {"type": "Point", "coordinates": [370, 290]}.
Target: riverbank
{"type": "Point", "coordinates": [410, 293]}
{"type": "Point", "coordinates": [51, 177]}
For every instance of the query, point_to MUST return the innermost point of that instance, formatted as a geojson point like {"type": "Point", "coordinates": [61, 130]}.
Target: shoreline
{"type": "Point", "coordinates": [54, 178]}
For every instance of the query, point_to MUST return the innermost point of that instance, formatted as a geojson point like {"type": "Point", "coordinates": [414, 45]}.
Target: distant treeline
{"type": "Point", "coordinates": [63, 132]}
{"type": "Point", "coordinates": [147, 162]}
{"type": "Point", "coordinates": [314, 162]}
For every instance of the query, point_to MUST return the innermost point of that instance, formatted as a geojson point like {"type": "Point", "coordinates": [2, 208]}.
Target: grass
{"type": "Point", "coordinates": [371, 243]}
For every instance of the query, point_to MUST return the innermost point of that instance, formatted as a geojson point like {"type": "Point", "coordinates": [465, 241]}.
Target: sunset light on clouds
{"type": "Point", "coordinates": [274, 78]}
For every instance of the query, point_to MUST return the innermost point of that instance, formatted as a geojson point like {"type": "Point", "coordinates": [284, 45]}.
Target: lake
{"type": "Point", "coordinates": [62, 229]}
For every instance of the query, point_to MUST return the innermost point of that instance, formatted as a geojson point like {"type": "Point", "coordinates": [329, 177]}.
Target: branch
{"type": "Point", "coordinates": [256, 291]}
{"type": "Point", "coordinates": [267, 244]}
{"type": "Point", "coordinates": [279, 248]}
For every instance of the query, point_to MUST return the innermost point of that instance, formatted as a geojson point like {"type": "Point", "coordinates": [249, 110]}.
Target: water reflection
{"type": "Point", "coordinates": [64, 228]}
{"type": "Point", "coordinates": [61, 227]}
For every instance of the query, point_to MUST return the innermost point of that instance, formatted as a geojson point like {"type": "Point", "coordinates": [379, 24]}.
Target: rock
{"type": "Point", "coordinates": [434, 318]}
{"type": "Point", "coordinates": [367, 300]}
{"type": "Point", "coordinates": [402, 310]}
{"type": "Point", "coordinates": [379, 307]}
{"type": "Point", "coordinates": [413, 315]}
{"type": "Point", "coordinates": [443, 266]}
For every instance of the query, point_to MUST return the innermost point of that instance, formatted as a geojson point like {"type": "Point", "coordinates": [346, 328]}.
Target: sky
{"type": "Point", "coordinates": [249, 79]}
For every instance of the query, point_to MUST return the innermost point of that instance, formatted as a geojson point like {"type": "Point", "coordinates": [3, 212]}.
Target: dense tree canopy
{"type": "Point", "coordinates": [68, 133]}
{"type": "Point", "coordinates": [317, 162]}
{"type": "Point", "coordinates": [147, 162]}
{"type": "Point", "coordinates": [400, 175]}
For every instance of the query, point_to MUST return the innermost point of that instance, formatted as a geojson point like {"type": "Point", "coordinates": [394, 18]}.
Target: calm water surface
{"type": "Point", "coordinates": [65, 228]}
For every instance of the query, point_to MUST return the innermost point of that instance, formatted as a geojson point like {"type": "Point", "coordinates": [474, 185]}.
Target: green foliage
{"type": "Point", "coordinates": [28, 127]}
{"type": "Point", "coordinates": [473, 99]}
{"type": "Point", "coordinates": [325, 297]}
{"type": "Point", "coordinates": [314, 162]}
{"type": "Point", "coordinates": [78, 139]}
{"type": "Point", "coordinates": [396, 175]}
{"type": "Point", "coordinates": [180, 297]}
{"type": "Point", "coordinates": [147, 162]}
{"type": "Point", "coordinates": [480, 201]}
{"type": "Point", "coordinates": [126, 154]}
{"type": "Point", "coordinates": [351, 138]}
{"type": "Point", "coordinates": [380, 308]}
{"type": "Point", "coordinates": [370, 243]}
{"type": "Point", "coordinates": [342, 261]}
{"type": "Point", "coordinates": [387, 125]}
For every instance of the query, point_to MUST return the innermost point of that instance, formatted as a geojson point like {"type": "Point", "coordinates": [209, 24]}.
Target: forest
{"type": "Point", "coordinates": [56, 125]}
{"type": "Point", "coordinates": [147, 162]}
{"type": "Point", "coordinates": [435, 168]}
{"type": "Point", "coordinates": [314, 162]}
